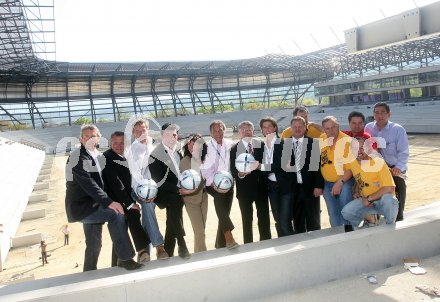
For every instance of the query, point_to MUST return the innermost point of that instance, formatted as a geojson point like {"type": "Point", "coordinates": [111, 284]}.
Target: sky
{"type": "Point", "coordinates": [208, 30]}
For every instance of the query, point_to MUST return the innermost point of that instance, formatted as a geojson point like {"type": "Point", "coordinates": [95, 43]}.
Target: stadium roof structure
{"type": "Point", "coordinates": [35, 87]}
{"type": "Point", "coordinates": [27, 37]}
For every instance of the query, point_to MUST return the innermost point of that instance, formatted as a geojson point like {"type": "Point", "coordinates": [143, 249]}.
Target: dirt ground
{"type": "Point", "coordinates": [24, 263]}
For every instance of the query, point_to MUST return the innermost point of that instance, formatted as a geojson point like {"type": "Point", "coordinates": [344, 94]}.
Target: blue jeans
{"type": "Point", "coordinates": [275, 205]}
{"type": "Point", "coordinates": [387, 206]}
{"type": "Point", "coordinates": [286, 214]}
{"type": "Point", "coordinates": [335, 204]}
{"type": "Point", "coordinates": [117, 228]}
{"type": "Point", "coordinates": [149, 222]}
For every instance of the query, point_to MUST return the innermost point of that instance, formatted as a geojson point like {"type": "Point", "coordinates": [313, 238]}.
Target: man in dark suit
{"type": "Point", "coordinates": [251, 186]}
{"type": "Point", "coordinates": [117, 180]}
{"type": "Point", "coordinates": [309, 181]}
{"type": "Point", "coordinates": [164, 168]}
{"type": "Point", "coordinates": [87, 202]}
{"type": "Point", "coordinates": [296, 163]}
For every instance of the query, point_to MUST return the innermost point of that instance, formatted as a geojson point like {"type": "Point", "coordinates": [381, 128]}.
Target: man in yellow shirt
{"type": "Point", "coordinates": [313, 130]}
{"type": "Point", "coordinates": [335, 153]}
{"type": "Point", "coordinates": [374, 192]}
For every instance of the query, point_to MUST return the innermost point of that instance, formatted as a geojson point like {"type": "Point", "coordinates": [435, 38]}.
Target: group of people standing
{"type": "Point", "coordinates": [356, 172]}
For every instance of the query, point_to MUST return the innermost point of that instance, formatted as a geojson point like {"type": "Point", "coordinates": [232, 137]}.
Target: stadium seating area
{"type": "Point", "coordinates": [21, 165]}
{"type": "Point", "coordinates": [55, 140]}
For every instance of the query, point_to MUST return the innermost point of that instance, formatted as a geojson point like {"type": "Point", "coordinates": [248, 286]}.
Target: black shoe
{"type": "Point", "coordinates": [129, 264]}
{"type": "Point", "coordinates": [348, 228]}
{"type": "Point", "coordinates": [183, 252]}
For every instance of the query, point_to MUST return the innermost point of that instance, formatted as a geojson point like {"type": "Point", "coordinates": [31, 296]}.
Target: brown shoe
{"type": "Point", "coordinates": [161, 254]}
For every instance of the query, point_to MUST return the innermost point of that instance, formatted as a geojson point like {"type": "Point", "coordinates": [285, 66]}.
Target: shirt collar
{"type": "Point", "coordinates": [298, 140]}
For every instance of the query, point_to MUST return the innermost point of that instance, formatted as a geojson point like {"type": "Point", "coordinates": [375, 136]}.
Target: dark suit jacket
{"type": "Point", "coordinates": [84, 187]}
{"type": "Point", "coordinates": [285, 172]}
{"type": "Point", "coordinates": [163, 172]}
{"type": "Point", "coordinates": [117, 178]}
{"type": "Point", "coordinates": [254, 185]}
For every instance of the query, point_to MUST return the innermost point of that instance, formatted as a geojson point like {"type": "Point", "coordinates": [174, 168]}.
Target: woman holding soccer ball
{"type": "Point", "coordinates": [196, 204]}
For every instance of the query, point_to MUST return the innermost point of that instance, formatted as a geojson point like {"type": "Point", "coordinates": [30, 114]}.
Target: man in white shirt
{"type": "Point", "coordinates": [217, 159]}
{"type": "Point", "coordinates": [137, 156]}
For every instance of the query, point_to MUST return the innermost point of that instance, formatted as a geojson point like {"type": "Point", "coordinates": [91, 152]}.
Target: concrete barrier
{"type": "Point", "coordinates": [34, 214]}
{"type": "Point", "coordinates": [252, 271]}
{"type": "Point", "coordinates": [37, 198]}
{"type": "Point", "coordinates": [26, 240]}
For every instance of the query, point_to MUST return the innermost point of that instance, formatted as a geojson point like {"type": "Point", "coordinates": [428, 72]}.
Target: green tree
{"type": "Point", "coordinates": [83, 120]}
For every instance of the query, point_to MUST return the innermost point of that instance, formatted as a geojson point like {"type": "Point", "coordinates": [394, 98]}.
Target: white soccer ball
{"type": "Point", "coordinates": [147, 189]}
{"type": "Point", "coordinates": [223, 180]}
{"type": "Point", "coordinates": [243, 162]}
{"type": "Point", "coordinates": [190, 179]}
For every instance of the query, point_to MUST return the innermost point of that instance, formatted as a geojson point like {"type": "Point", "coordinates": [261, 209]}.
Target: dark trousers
{"type": "Point", "coordinates": [66, 239]}
{"type": "Point", "coordinates": [275, 204]}
{"type": "Point", "coordinates": [174, 227]}
{"type": "Point", "coordinates": [93, 234]}
{"type": "Point", "coordinates": [247, 214]}
{"type": "Point", "coordinates": [44, 257]}
{"type": "Point", "coordinates": [306, 211]}
{"type": "Point", "coordinates": [138, 234]}
{"type": "Point", "coordinates": [400, 195]}
{"type": "Point", "coordinates": [223, 205]}
{"type": "Point", "coordinates": [117, 227]}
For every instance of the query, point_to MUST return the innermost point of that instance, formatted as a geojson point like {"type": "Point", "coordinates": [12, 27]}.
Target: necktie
{"type": "Point", "coordinates": [250, 149]}
{"type": "Point", "coordinates": [298, 161]}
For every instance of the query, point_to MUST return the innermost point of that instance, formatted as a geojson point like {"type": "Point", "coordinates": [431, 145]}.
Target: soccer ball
{"type": "Point", "coordinates": [190, 179]}
{"type": "Point", "coordinates": [147, 189]}
{"type": "Point", "coordinates": [223, 180]}
{"type": "Point", "coordinates": [243, 162]}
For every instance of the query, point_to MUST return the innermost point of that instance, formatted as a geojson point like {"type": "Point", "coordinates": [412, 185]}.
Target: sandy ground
{"type": "Point", "coordinates": [24, 263]}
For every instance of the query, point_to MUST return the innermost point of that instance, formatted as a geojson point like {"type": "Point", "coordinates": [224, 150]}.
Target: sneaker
{"type": "Point", "coordinates": [161, 254]}
{"type": "Point", "coordinates": [143, 257]}
{"type": "Point", "coordinates": [129, 264]}
{"type": "Point", "coordinates": [183, 252]}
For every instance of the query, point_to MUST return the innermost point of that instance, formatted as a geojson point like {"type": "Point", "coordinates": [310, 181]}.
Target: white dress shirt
{"type": "Point", "coordinates": [268, 155]}
{"type": "Point", "coordinates": [298, 150]}
{"type": "Point", "coordinates": [217, 159]}
{"type": "Point", "coordinates": [137, 157]}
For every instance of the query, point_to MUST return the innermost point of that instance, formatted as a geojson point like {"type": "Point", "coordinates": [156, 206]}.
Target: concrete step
{"type": "Point", "coordinates": [33, 214]}
{"type": "Point", "coordinates": [26, 240]}
{"type": "Point", "coordinates": [38, 198]}
{"type": "Point", "coordinates": [41, 186]}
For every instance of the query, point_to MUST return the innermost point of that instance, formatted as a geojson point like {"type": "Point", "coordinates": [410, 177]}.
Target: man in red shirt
{"type": "Point", "coordinates": [356, 122]}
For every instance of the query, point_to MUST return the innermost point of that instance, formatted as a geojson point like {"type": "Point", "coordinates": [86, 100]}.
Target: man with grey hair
{"type": "Point", "coordinates": [87, 202]}
{"type": "Point", "coordinates": [251, 186]}
{"type": "Point", "coordinates": [335, 154]}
